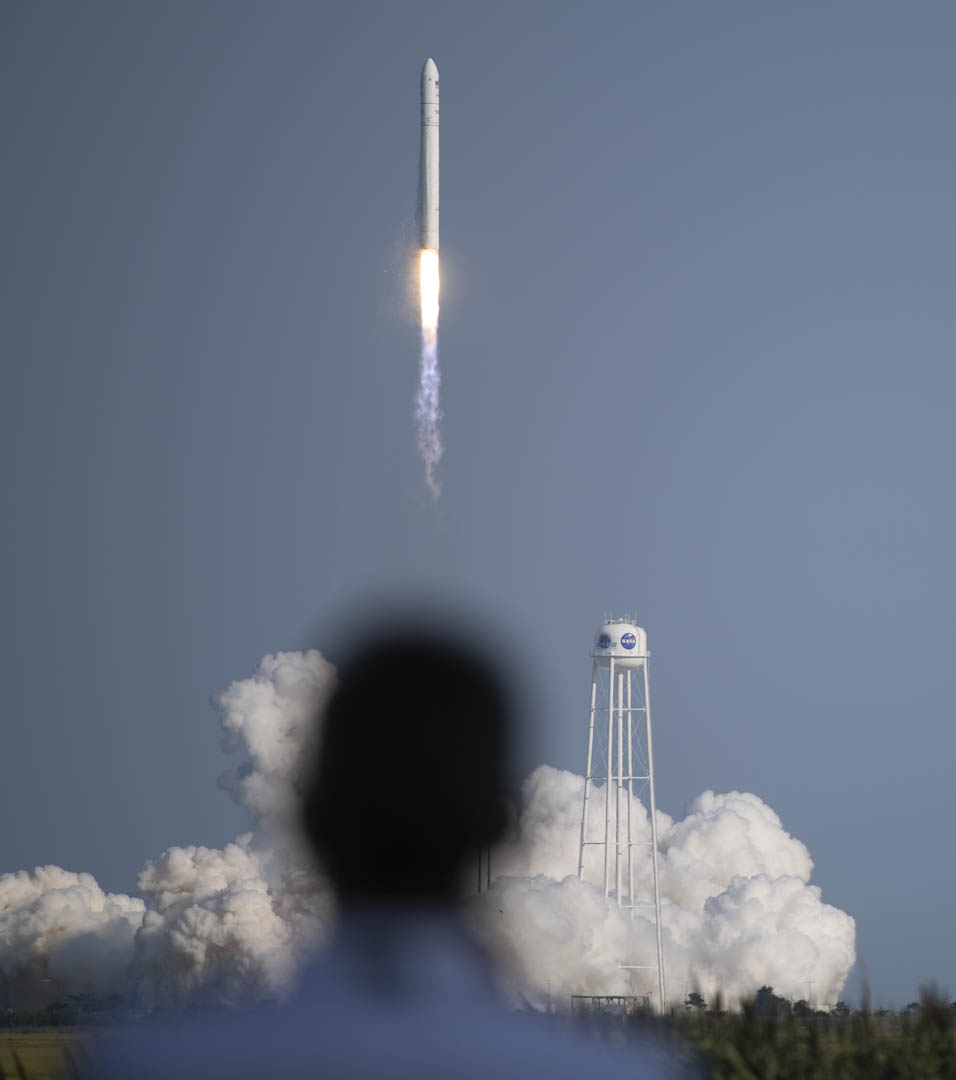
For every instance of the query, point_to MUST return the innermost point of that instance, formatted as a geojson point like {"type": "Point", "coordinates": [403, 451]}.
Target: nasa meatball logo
{"type": "Point", "coordinates": [604, 642]}
{"type": "Point", "coordinates": [628, 641]}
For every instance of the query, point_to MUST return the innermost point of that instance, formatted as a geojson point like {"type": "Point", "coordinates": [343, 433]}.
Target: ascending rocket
{"type": "Point", "coordinates": [428, 168]}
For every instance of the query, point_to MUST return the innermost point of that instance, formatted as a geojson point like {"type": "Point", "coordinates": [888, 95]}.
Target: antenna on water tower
{"type": "Point", "coordinates": [619, 728]}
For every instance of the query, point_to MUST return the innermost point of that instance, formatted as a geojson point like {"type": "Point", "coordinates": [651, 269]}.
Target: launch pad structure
{"type": "Point", "coordinates": [609, 1004]}
{"type": "Point", "coordinates": [620, 769]}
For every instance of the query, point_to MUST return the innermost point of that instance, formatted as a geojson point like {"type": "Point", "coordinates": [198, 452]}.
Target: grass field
{"type": "Point", "coordinates": [42, 1055]}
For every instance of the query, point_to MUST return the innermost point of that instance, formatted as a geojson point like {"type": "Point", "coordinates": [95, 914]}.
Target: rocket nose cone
{"type": "Point", "coordinates": [430, 70]}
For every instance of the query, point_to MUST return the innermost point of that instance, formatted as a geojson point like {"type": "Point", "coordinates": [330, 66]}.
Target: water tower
{"type": "Point", "coordinates": [620, 767]}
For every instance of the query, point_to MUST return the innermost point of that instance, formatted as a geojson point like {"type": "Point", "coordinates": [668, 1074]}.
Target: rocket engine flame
{"type": "Point", "coordinates": [430, 285]}
{"type": "Point", "coordinates": [427, 410]}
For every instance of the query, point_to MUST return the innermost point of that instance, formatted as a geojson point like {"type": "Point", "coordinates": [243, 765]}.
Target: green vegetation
{"type": "Point", "coordinates": [772, 1040]}
{"type": "Point", "coordinates": [75, 1010]}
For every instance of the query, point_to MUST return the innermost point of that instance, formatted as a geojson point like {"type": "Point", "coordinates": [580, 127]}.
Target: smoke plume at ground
{"type": "Point", "coordinates": [230, 926]}
{"type": "Point", "coordinates": [738, 911]}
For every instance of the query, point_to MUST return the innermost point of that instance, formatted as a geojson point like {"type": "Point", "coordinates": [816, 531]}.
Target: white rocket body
{"type": "Point", "coordinates": [428, 170]}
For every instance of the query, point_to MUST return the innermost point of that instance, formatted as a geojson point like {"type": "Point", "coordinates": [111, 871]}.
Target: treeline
{"type": "Point", "coordinates": [74, 1010]}
{"type": "Point", "coordinates": [769, 1037]}
{"type": "Point", "coordinates": [765, 1002]}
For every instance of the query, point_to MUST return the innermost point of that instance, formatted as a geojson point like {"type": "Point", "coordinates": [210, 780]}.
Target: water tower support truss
{"type": "Point", "coordinates": [615, 847]}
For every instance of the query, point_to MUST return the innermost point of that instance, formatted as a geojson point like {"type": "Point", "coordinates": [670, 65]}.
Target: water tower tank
{"type": "Point", "coordinates": [622, 639]}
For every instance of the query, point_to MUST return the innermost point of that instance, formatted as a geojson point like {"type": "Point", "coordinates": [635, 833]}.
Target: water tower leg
{"type": "Point", "coordinates": [619, 809]}
{"type": "Point", "coordinates": [657, 888]}
{"type": "Point", "coordinates": [607, 781]}
{"type": "Point", "coordinates": [587, 773]}
{"type": "Point", "coordinates": [630, 793]}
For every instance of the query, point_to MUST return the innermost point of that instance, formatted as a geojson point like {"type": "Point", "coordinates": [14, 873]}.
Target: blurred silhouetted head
{"type": "Point", "coordinates": [409, 782]}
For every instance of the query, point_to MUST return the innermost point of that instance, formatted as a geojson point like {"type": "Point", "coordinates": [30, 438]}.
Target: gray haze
{"type": "Point", "coordinates": [697, 338]}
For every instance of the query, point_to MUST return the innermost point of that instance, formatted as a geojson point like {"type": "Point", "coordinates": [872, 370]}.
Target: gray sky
{"type": "Point", "coordinates": [697, 337]}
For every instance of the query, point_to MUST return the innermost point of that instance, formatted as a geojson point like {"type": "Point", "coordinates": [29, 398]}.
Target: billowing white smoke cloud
{"type": "Point", "coordinates": [738, 911]}
{"type": "Point", "coordinates": [214, 926]}
{"type": "Point", "coordinates": [227, 926]}
{"type": "Point", "coordinates": [62, 926]}
{"type": "Point", "coordinates": [230, 926]}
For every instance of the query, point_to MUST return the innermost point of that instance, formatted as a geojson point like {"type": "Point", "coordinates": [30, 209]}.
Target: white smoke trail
{"type": "Point", "coordinates": [230, 926]}
{"type": "Point", "coordinates": [427, 409]}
